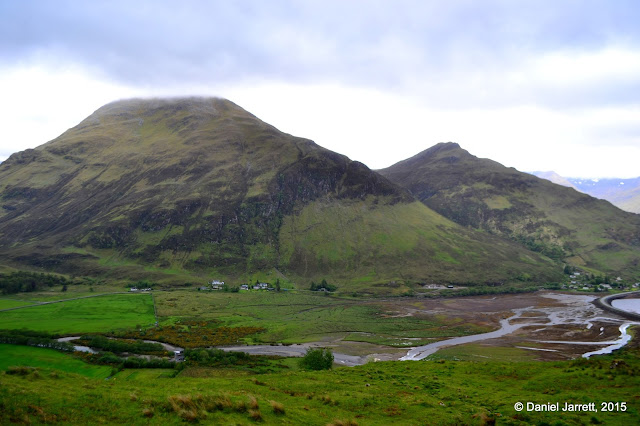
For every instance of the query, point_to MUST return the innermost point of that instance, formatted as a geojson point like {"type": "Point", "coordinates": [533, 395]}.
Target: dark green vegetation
{"type": "Point", "coordinates": [317, 359]}
{"type": "Point", "coordinates": [322, 286]}
{"type": "Point", "coordinates": [436, 392]}
{"type": "Point", "coordinates": [34, 338]}
{"type": "Point", "coordinates": [217, 360]}
{"type": "Point", "coordinates": [178, 191]}
{"type": "Point", "coordinates": [553, 220]}
{"type": "Point", "coordinates": [21, 281]}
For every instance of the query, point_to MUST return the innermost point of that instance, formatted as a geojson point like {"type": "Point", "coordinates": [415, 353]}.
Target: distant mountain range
{"type": "Point", "coordinates": [178, 189]}
{"type": "Point", "coordinates": [623, 193]}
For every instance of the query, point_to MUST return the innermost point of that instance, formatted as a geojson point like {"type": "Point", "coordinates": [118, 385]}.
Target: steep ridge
{"type": "Point", "coordinates": [200, 186]}
{"type": "Point", "coordinates": [552, 219]}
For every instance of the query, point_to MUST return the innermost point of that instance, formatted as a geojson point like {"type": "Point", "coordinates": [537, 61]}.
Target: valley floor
{"type": "Point", "coordinates": [476, 382]}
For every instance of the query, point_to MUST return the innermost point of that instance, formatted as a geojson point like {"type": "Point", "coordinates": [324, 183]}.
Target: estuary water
{"type": "Point", "coordinates": [627, 304]}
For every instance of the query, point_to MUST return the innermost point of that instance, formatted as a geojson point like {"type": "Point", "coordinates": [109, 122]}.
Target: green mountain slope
{"type": "Point", "coordinates": [557, 221]}
{"type": "Point", "coordinates": [199, 186]}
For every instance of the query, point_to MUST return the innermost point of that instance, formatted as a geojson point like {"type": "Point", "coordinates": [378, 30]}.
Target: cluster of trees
{"type": "Point", "coordinates": [119, 346]}
{"type": "Point", "coordinates": [108, 358]}
{"type": "Point", "coordinates": [19, 282]}
{"type": "Point", "coordinates": [551, 251]}
{"type": "Point", "coordinates": [317, 359]}
{"type": "Point", "coordinates": [142, 284]}
{"type": "Point", "coordinates": [323, 285]}
{"type": "Point", "coordinates": [33, 338]}
{"type": "Point", "coordinates": [215, 357]}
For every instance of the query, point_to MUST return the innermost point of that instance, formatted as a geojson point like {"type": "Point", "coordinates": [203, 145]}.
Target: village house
{"type": "Point", "coordinates": [244, 287]}
{"type": "Point", "coordinates": [217, 285]}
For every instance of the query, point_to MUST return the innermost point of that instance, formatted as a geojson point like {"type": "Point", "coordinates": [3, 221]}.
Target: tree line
{"type": "Point", "coordinates": [24, 282]}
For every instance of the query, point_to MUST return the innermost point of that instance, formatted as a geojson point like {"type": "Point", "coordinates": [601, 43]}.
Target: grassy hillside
{"type": "Point", "coordinates": [181, 190]}
{"type": "Point", "coordinates": [442, 392]}
{"type": "Point", "coordinates": [551, 219]}
{"type": "Point", "coordinates": [403, 241]}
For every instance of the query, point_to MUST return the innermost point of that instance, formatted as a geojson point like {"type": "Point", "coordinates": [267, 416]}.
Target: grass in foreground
{"type": "Point", "coordinates": [437, 392]}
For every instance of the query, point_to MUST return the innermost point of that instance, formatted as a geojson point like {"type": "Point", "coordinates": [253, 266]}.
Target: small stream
{"type": "Point", "coordinates": [78, 348]}
{"type": "Point", "coordinates": [624, 339]}
{"type": "Point", "coordinates": [421, 352]}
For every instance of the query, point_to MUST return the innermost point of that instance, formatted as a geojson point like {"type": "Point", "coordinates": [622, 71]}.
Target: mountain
{"type": "Point", "coordinates": [622, 193]}
{"type": "Point", "coordinates": [555, 178]}
{"type": "Point", "coordinates": [552, 219]}
{"type": "Point", "coordinates": [171, 189]}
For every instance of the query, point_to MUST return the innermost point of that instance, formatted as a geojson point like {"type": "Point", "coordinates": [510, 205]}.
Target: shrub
{"type": "Point", "coordinates": [317, 359]}
{"type": "Point", "coordinates": [278, 407]}
{"type": "Point", "coordinates": [255, 415]}
{"type": "Point", "coordinates": [21, 371]}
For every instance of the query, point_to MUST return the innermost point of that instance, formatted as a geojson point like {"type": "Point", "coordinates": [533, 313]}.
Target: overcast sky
{"type": "Point", "coordinates": [535, 85]}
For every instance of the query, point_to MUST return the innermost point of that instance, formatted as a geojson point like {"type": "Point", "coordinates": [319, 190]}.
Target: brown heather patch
{"type": "Point", "coordinates": [194, 334]}
{"type": "Point", "coordinates": [278, 407]}
{"type": "Point", "coordinates": [253, 402]}
{"type": "Point", "coordinates": [337, 422]}
{"type": "Point", "coordinates": [195, 408]}
{"type": "Point", "coordinates": [255, 415]}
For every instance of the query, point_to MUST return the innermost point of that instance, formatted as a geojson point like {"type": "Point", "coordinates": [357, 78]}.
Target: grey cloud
{"type": "Point", "coordinates": [383, 44]}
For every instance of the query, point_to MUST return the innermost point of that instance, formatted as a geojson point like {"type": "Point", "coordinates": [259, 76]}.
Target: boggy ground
{"type": "Point", "coordinates": [550, 317]}
{"type": "Point", "coordinates": [542, 326]}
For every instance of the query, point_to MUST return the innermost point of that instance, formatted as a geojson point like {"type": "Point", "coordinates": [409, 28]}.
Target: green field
{"type": "Point", "coordinates": [10, 303]}
{"type": "Point", "coordinates": [94, 314]}
{"type": "Point", "coordinates": [48, 359]}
